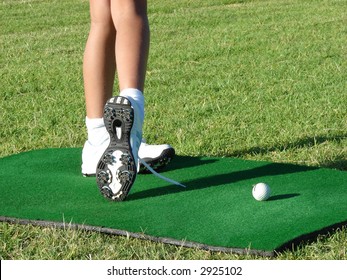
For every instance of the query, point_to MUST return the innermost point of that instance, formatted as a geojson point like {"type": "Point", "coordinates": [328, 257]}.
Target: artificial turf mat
{"type": "Point", "coordinates": [216, 211]}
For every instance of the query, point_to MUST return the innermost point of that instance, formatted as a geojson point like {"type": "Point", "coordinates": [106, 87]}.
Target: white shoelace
{"type": "Point", "coordinates": [159, 175]}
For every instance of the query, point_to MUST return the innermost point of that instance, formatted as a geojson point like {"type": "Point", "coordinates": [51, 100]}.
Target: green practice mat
{"type": "Point", "coordinates": [216, 211]}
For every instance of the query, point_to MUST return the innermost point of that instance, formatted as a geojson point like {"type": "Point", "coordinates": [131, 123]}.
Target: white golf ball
{"type": "Point", "coordinates": [261, 191]}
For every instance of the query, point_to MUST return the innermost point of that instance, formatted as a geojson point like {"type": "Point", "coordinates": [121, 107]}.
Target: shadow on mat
{"type": "Point", "coordinates": [182, 162]}
{"type": "Point", "coordinates": [283, 196]}
{"type": "Point", "coordinates": [271, 169]}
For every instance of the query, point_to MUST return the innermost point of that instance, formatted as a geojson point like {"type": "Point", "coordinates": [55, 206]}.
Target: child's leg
{"type": "Point", "coordinates": [126, 20]}
{"type": "Point", "coordinates": [98, 74]}
{"type": "Point", "coordinates": [99, 58]}
{"type": "Point", "coordinates": [132, 43]}
{"type": "Point", "coordinates": [132, 46]}
{"type": "Point", "coordinates": [118, 166]}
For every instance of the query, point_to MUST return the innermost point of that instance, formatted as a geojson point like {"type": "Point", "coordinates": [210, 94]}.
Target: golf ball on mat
{"type": "Point", "coordinates": [261, 191]}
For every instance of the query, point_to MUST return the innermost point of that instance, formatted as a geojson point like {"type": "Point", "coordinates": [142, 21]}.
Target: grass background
{"type": "Point", "coordinates": [260, 80]}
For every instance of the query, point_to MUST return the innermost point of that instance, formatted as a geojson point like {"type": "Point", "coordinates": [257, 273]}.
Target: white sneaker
{"type": "Point", "coordinates": [117, 168]}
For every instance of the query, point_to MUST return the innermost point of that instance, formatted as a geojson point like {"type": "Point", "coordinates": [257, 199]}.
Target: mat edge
{"type": "Point", "coordinates": [309, 237]}
{"type": "Point", "coordinates": [111, 231]}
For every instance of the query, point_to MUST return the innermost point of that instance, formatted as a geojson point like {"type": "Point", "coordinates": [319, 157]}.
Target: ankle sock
{"type": "Point", "coordinates": [97, 133]}
{"type": "Point", "coordinates": [135, 96]}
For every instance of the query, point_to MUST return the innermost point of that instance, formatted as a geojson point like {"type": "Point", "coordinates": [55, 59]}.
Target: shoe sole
{"type": "Point", "coordinates": [159, 162]}
{"type": "Point", "coordinates": [116, 170]}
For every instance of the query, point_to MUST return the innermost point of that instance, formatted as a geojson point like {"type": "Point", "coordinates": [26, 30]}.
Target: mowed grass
{"type": "Point", "coordinates": [260, 80]}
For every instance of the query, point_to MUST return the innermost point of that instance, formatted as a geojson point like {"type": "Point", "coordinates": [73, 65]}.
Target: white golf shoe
{"type": "Point", "coordinates": [156, 156]}
{"type": "Point", "coordinates": [119, 155]}
{"type": "Point", "coordinates": [117, 168]}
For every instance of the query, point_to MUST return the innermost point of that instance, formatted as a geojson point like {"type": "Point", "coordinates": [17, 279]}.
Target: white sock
{"type": "Point", "coordinates": [135, 95]}
{"type": "Point", "coordinates": [97, 133]}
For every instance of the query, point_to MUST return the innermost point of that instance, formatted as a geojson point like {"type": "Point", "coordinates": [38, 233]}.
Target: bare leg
{"type": "Point", "coordinates": [99, 58]}
{"type": "Point", "coordinates": [132, 42]}
{"type": "Point", "coordinates": [119, 36]}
